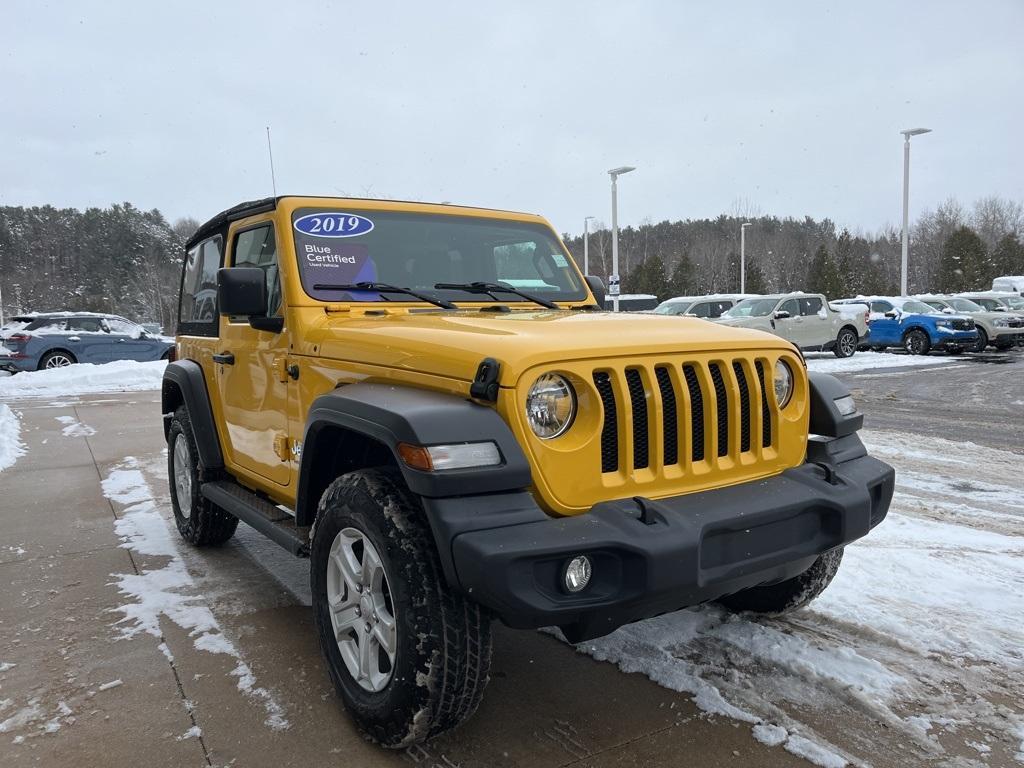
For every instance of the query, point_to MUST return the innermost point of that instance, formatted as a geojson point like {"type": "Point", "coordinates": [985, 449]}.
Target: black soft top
{"type": "Point", "coordinates": [220, 222]}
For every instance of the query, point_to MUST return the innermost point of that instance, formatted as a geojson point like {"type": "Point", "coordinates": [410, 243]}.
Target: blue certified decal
{"type": "Point", "coordinates": [333, 224]}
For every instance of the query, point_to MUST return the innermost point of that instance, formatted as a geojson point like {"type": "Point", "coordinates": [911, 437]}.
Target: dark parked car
{"type": "Point", "coordinates": [59, 339]}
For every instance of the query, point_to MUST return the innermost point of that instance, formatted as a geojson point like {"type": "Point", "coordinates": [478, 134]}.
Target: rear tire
{"type": "Point", "coordinates": [441, 650]}
{"type": "Point", "coordinates": [58, 358]}
{"type": "Point", "coordinates": [982, 341]}
{"type": "Point", "coordinates": [846, 343]}
{"type": "Point", "coordinates": [200, 522]}
{"type": "Point", "coordinates": [788, 595]}
{"type": "Point", "coordinates": [916, 342]}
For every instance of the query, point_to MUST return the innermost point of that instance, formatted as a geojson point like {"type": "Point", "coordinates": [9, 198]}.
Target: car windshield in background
{"type": "Point", "coordinates": [919, 308]}
{"type": "Point", "coordinates": [418, 251]}
{"type": "Point", "coordinates": [752, 308]}
{"type": "Point", "coordinates": [672, 308]}
{"type": "Point", "coordinates": [1014, 302]}
{"type": "Point", "coordinates": [965, 305]}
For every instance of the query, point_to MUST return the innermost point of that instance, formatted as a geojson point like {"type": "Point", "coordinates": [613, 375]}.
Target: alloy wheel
{"type": "Point", "coordinates": [183, 475]}
{"type": "Point", "coordinates": [361, 609]}
{"type": "Point", "coordinates": [57, 361]}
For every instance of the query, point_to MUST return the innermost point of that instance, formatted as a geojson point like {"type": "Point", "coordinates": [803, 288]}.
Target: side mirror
{"type": "Point", "coordinates": [781, 314]}
{"type": "Point", "coordinates": [999, 309]}
{"type": "Point", "coordinates": [596, 286]}
{"type": "Point", "coordinates": [891, 314]}
{"type": "Point", "coordinates": [242, 291]}
{"type": "Point", "coordinates": [948, 311]}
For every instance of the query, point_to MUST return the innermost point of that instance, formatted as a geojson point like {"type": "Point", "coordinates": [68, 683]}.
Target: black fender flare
{"type": "Point", "coordinates": [184, 383]}
{"type": "Point", "coordinates": [390, 414]}
{"type": "Point", "coordinates": [826, 420]}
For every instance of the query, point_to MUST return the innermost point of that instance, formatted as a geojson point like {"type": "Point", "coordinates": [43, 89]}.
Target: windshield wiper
{"type": "Point", "coordinates": [491, 288]}
{"type": "Point", "coordinates": [384, 288]}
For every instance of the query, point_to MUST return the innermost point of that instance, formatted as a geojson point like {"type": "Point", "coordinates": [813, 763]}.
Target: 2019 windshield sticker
{"type": "Point", "coordinates": [333, 224]}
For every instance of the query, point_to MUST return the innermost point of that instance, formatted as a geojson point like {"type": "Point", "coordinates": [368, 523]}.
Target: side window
{"type": "Point", "coordinates": [881, 306]}
{"type": "Point", "coordinates": [792, 306]}
{"type": "Point", "coordinates": [258, 248]}
{"type": "Point", "coordinates": [85, 325]}
{"type": "Point", "coordinates": [718, 307]}
{"type": "Point", "coordinates": [810, 306]}
{"type": "Point", "coordinates": [701, 310]}
{"type": "Point", "coordinates": [124, 328]}
{"type": "Point", "coordinates": [197, 311]}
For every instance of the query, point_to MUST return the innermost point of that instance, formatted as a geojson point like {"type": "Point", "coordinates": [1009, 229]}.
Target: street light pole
{"type": "Point", "coordinates": [906, 203]}
{"type": "Point", "coordinates": [586, 244]}
{"type": "Point", "coordinates": [743, 256]}
{"type": "Point", "coordinates": [613, 280]}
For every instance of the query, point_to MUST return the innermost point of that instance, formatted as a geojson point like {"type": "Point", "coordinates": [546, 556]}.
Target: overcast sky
{"type": "Point", "coordinates": [792, 108]}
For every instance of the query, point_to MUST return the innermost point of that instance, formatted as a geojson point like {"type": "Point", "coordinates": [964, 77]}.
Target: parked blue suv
{"type": "Point", "coordinates": [54, 340]}
{"type": "Point", "coordinates": [896, 321]}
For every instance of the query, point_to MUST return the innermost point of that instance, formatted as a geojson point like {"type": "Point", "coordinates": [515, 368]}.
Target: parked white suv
{"type": "Point", "coordinates": [806, 319]}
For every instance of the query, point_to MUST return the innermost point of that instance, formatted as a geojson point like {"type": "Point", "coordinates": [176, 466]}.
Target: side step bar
{"type": "Point", "coordinates": [272, 522]}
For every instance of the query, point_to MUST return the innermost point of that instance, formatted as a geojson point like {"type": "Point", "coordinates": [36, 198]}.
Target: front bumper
{"type": "Point", "coordinates": [955, 340]}
{"type": "Point", "coordinates": [1007, 336]}
{"type": "Point", "coordinates": [691, 549]}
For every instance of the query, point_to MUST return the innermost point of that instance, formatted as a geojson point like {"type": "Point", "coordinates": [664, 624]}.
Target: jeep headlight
{"type": "Point", "coordinates": [943, 323]}
{"type": "Point", "coordinates": [1000, 322]}
{"type": "Point", "coordinates": [550, 406]}
{"type": "Point", "coordinates": [783, 383]}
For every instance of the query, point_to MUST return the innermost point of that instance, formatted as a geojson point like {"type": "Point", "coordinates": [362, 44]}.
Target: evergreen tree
{"type": "Point", "coordinates": [683, 281]}
{"type": "Point", "coordinates": [823, 276]}
{"type": "Point", "coordinates": [755, 282]}
{"type": "Point", "coordinates": [649, 277]}
{"type": "Point", "coordinates": [963, 263]}
{"type": "Point", "coordinates": [1008, 256]}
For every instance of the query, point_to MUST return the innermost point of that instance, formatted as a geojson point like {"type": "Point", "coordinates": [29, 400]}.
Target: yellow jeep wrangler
{"type": "Point", "coordinates": [427, 402]}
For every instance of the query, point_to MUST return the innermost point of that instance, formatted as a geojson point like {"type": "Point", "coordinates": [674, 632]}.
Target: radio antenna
{"type": "Point", "coordinates": [270, 152]}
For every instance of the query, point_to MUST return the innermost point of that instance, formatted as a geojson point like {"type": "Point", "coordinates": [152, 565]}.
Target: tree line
{"type": "Point", "coordinates": [952, 249]}
{"type": "Point", "coordinates": [127, 261]}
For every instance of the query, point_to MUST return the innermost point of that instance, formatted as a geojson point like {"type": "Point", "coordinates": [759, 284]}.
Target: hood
{"type": "Point", "coordinates": [452, 344]}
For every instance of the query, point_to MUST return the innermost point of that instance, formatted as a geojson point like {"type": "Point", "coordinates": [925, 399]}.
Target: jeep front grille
{"type": "Point", "coordinates": [959, 324]}
{"type": "Point", "coordinates": [691, 411]}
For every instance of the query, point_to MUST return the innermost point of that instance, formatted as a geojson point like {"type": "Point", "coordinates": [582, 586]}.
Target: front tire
{"type": "Point", "coordinates": [788, 595]}
{"type": "Point", "coordinates": [916, 342]}
{"type": "Point", "coordinates": [408, 657]}
{"type": "Point", "coordinates": [200, 522]}
{"type": "Point", "coordinates": [982, 343]}
{"type": "Point", "coordinates": [846, 343]}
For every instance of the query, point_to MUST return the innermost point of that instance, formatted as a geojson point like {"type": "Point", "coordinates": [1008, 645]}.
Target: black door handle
{"type": "Point", "coordinates": [225, 358]}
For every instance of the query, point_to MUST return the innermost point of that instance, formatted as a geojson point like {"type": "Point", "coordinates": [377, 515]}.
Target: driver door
{"type": "Point", "coordinates": [789, 327]}
{"type": "Point", "coordinates": [254, 398]}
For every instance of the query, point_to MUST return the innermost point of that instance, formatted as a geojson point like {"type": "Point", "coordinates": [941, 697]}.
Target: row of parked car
{"type": "Point", "coordinates": [55, 339]}
{"type": "Point", "coordinates": [919, 324]}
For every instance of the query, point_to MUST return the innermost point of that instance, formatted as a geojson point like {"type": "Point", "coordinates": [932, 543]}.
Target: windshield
{"type": "Point", "coordinates": [965, 305]}
{"type": "Point", "coordinates": [1014, 302]}
{"type": "Point", "coordinates": [418, 251]}
{"type": "Point", "coordinates": [918, 308]}
{"type": "Point", "coordinates": [672, 307]}
{"type": "Point", "coordinates": [752, 308]}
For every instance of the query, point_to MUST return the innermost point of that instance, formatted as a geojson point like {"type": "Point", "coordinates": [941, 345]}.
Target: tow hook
{"type": "Point", "coordinates": [831, 476]}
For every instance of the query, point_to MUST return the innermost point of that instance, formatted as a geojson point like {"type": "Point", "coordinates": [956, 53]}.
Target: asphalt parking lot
{"type": "Point", "coordinates": [119, 646]}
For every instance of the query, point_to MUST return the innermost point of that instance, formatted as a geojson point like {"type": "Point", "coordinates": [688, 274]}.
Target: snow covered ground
{"type": "Point", "coordinates": [921, 634]}
{"type": "Point", "coordinates": [826, 362]}
{"type": "Point", "coordinates": [83, 378]}
{"type": "Point", "coordinates": [11, 446]}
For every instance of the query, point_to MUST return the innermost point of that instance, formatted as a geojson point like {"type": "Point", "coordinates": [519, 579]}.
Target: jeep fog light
{"type": "Point", "coordinates": [577, 573]}
{"type": "Point", "coordinates": [783, 383]}
{"type": "Point", "coordinates": [845, 405]}
{"type": "Point", "coordinates": [436, 458]}
{"type": "Point", "coordinates": [550, 406]}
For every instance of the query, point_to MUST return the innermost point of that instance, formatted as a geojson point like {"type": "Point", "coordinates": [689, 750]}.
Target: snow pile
{"type": "Point", "coordinates": [11, 446]}
{"type": "Point", "coordinates": [826, 362]}
{"type": "Point", "coordinates": [169, 591]}
{"type": "Point", "coordinates": [81, 379]}
{"type": "Point", "coordinates": [920, 631]}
